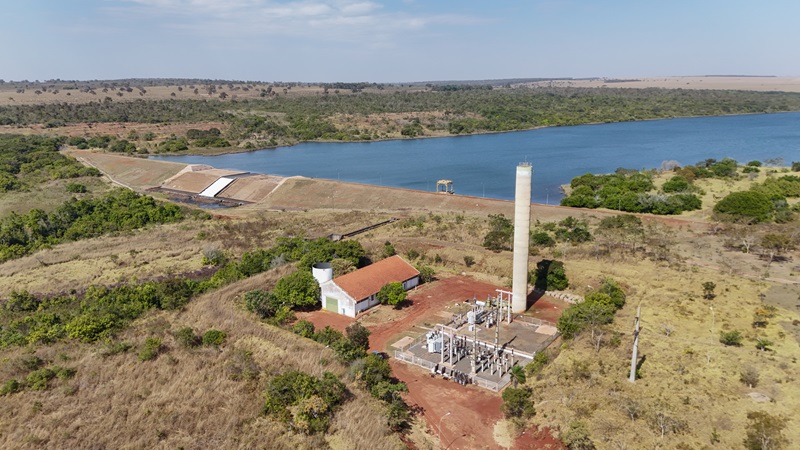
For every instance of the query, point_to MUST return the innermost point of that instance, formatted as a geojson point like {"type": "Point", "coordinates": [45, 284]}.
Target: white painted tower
{"type": "Point", "coordinates": [522, 225]}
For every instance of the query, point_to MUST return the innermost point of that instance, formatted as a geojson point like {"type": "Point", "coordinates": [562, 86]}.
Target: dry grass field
{"type": "Point", "coordinates": [185, 398]}
{"type": "Point", "coordinates": [687, 374]}
{"type": "Point", "coordinates": [690, 363]}
{"type": "Point", "coordinates": [755, 83]}
{"type": "Point", "coordinates": [233, 91]}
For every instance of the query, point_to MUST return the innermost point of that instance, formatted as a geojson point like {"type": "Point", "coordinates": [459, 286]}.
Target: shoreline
{"type": "Point", "coordinates": [323, 141]}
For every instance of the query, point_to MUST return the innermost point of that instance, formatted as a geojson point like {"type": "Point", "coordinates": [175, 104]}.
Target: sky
{"type": "Point", "coordinates": [396, 40]}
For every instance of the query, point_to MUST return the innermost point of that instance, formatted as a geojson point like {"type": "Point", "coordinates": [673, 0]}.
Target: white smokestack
{"type": "Point", "coordinates": [522, 225]}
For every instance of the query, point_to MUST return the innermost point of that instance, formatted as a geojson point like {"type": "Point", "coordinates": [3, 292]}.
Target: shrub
{"type": "Point", "coordinates": [550, 275]}
{"type": "Point", "coordinates": [749, 205]}
{"type": "Point", "coordinates": [151, 349]}
{"type": "Point", "coordinates": [517, 403]}
{"type": "Point", "coordinates": [749, 376]}
{"type": "Point", "coordinates": [64, 373]}
{"type": "Point", "coordinates": [10, 387]}
{"type": "Point", "coordinates": [577, 437]}
{"type": "Point", "coordinates": [543, 239]}
{"type": "Point", "coordinates": [500, 233]}
{"type": "Point", "coordinates": [39, 379]}
{"type": "Point", "coordinates": [214, 337]}
{"type": "Point", "coordinates": [187, 338]}
{"type": "Point", "coordinates": [676, 184]}
{"type": "Point", "coordinates": [89, 327]}
{"type": "Point", "coordinates": [540, 360]}
{"type": "Point", "coordinates": [469, 261]}
{"type": "Point", "coordinates": [426, 273]}
{"type": "Point", "coordinates": [358, 334]}
{"type": "Point", "coordinates": [765, 431]}
{"type": "Point", "coordinates": [304, 402]}
{"type": "Point", "coordinates": [76, 188]}
{"type": "Point", "coordinates": [304, 328]}
{"type": "Point", "coordinates": [731, 338]}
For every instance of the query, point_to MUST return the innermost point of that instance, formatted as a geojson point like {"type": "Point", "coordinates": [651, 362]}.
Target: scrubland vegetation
{"type": "Point", "coordinates": [283, 116]}
{"type": "Point", "coordinates": [171, 328]}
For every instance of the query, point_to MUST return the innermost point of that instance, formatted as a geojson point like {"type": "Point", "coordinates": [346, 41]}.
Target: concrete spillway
{"type": "Point", "coordinates": [522, 225]}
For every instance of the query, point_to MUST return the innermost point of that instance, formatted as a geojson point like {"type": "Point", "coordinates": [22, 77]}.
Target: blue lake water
{"type": "Point", "coordinates": [484, 165]}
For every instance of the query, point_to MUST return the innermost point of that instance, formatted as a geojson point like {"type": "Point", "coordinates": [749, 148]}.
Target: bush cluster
{"type": "Point", "coordinates": [118, 210]}
{"type": "Point", "coordinates": [631, 192]}
{"type": "Point", "coordinates": [598, 308]}
{"type": "Point", "coordinates": [304, 402]}
{"type": "Point", "coordinates": [27, 160]}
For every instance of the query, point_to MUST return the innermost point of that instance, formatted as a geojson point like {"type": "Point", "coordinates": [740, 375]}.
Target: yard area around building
{"type": "Point", "coordinates": [463, 412]}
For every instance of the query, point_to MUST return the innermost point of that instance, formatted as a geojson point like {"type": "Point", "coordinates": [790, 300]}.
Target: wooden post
{"type": "Point", "coordinates": [635, 354]}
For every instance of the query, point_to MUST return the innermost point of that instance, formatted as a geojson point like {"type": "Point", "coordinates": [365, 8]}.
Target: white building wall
{"type": "Point", "coordinates": [347, 306]}
{"type": "Point", "coordinates": [412, 283]}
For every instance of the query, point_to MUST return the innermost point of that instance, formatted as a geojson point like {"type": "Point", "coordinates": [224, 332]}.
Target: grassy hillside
{"type": "Point", "coordinates": [190, 398]}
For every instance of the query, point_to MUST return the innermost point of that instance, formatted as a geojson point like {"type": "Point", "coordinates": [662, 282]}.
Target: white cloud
{"type": "Point", "coordinates": [332, 19]}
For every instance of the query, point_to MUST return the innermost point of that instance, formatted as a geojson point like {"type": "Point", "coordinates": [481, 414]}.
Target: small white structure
{"type": "Point", "coordinates": [216, 187]}
{"type": "Point", "coordinates": [357, 291]}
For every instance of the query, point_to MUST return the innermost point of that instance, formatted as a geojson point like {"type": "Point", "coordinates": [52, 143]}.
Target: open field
{"type": "Point", "coordinates": [755, 83]}
{"type": "Point", "coordinates": [56, 93]}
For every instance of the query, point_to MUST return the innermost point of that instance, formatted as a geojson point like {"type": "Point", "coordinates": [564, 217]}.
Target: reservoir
{"type": "Point", "coordinates": [484, 165]}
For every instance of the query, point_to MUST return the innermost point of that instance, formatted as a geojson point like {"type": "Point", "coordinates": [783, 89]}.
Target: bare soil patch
{"type": "Point", "coordinates": [469, 410]}
{"type": "Point", "coordinates": [134, 173]}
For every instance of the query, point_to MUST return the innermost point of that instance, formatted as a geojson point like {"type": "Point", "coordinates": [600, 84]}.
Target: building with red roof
{"type": "Point", "coordinates": [357, 291]}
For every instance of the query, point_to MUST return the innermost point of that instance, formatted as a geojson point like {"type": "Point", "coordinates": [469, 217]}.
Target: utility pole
{"type": "Point", "coordinates": [634, 356]}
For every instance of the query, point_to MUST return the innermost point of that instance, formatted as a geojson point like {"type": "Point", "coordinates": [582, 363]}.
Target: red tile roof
{"type": "Point", "coordinates": [369, 280]}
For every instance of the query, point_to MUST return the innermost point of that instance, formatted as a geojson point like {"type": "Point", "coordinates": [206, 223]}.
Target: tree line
{"type": "Point", "coordinates": [29, 160]}
{"type": "Point", "coordinates": [118, 210]}
{"type": "Point", "coordinates": [308, 117]}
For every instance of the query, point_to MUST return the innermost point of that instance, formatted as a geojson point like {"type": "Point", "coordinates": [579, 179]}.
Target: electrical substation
{"type": "Point", "coordinates": [485, 339]}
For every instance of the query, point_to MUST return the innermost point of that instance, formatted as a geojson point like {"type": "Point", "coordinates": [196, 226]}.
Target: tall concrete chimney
{"type": "Point", "coordinates": [522, 225]}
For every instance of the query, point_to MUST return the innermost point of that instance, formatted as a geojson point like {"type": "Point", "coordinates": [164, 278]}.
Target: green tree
{"type": "Point", "coordinates": [392, 294]}
{"type": "Point", "coordinates": [518, 375]}
{"type": "Point", "coordinates": [358, 335]}
{"type": "Point", "coordinates": [747, 205]}
{"type": "Point", "coordinates": [426, 273]}
{"type": "Point", "coordinates": [550, 275]}
{"type": "Point", "coordinates": [298, 290]}
{"type": "Point", "coordinates": [500, 233]}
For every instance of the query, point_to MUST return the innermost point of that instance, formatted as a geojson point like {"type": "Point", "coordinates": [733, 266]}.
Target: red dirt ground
{"type": "Point", "coordinates": [323, 318]}
{"type": "Point", "coordinates": [473, 410]}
